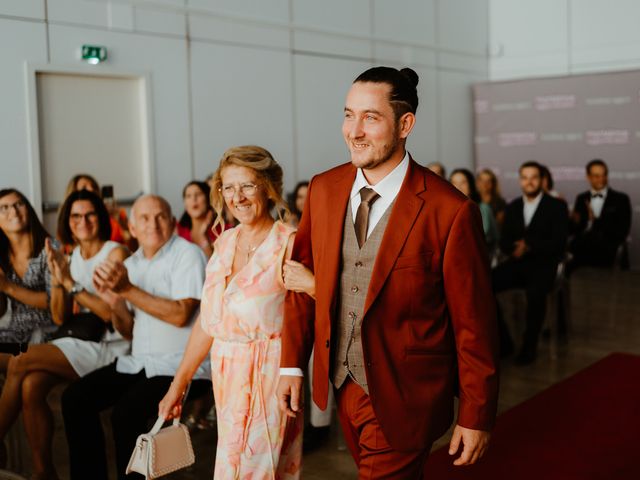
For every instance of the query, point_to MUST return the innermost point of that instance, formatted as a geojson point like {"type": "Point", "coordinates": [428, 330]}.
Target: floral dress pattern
{"type": "Point", "coordinates": [26, 320]}
{"type": "Point", "coordinates": [244, 316]}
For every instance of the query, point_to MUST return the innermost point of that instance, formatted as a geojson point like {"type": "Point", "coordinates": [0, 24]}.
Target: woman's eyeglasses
{"type": "Point", "coordinates": [88, 217]}
{"type": "Point", "coordinates": [246, 189]}
{"type": "Point", "coordinates": [19, 205]}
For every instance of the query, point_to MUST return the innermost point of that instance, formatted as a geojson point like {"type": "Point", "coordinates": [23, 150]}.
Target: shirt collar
{"type": "Point", "coordinates": [139, 254]}
{"type": "Point", "coordinates": [389, 185]}
{"type": "Point", "coordinates": [533, 202]}
{"type": "Point", "coordinates": [602, 192]}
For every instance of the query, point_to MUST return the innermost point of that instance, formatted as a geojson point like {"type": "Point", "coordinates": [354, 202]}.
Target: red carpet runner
{"type": "Point", "coordinates": [586, 427]}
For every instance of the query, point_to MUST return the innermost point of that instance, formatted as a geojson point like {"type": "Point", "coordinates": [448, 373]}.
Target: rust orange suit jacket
{"type": "Point", "coordinates": [429, 328]}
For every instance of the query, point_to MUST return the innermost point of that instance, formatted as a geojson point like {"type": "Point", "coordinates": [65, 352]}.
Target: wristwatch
{"type": "Point", "coordinates": [76, 289]}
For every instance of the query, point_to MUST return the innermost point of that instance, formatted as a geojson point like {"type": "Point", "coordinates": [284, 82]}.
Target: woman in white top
{"type": "Point", "coordinates": [84, 221]}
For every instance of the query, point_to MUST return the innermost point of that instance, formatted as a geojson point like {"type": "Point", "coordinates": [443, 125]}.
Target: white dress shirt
{"type": "Point", "coordinates": [388, 189]}
{"type": "Point", "coordinates": [530, 207]}
{"type": "Point", "coordinates": [598, 202]}
{"type": "Point", "coordinates": [175, 272]}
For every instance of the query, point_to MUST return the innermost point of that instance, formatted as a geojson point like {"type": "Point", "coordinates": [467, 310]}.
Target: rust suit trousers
{"type": "Point", "coordinates": [373, 455]}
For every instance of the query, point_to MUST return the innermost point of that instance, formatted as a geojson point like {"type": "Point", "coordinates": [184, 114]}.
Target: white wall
{"type": "Point", "coordinates": [270, 72]}
{"type": "Point", "coordinates": [532, 38]}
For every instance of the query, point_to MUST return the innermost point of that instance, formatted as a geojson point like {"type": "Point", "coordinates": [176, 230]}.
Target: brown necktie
{"type": "Point", "coordinates": [367, 197]}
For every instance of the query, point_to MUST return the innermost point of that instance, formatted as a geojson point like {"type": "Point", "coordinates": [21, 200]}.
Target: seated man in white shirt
{"type": "Point", "coordinates": [154, 295]}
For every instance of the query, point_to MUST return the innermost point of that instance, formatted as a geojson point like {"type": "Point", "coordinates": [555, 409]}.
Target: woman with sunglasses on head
{"type": "Point", "coordinates": [83, 222]}
{"type": "Point", "coordinates": [24, 276]}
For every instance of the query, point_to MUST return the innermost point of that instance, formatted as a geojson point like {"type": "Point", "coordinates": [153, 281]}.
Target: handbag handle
{"type": "Point", "coordinates": [159, 423]}
{"type": "Point", "coordinates": [176, 421]}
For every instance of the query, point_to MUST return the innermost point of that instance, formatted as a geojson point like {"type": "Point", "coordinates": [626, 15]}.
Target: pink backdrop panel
{"type": "Point", "coordinates": [563, 123]}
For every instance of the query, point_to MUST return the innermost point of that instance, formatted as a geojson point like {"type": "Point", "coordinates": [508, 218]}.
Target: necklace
{"type": "Point", "coordinates": [250, 249]}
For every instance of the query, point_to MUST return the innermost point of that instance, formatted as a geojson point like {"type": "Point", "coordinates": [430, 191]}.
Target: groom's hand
{"type": "Point", "coordinates": [475, 443]}
{"type": "Point", "coordinates": [289, 394]}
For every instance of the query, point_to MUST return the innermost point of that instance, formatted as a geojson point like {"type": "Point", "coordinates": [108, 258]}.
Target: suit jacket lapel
{"type": "Point", "coordinates": [520, 209]}
{"type": "Point", "coordinates": [405, 210]}
{"type": "Point", "coordinates": [608, 200]}
{"type": "Point", "coordinates": [332, 245]}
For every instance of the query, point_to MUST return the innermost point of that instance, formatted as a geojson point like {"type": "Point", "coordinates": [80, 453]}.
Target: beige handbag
{"type": "Point", "coordinates": [162, 450]}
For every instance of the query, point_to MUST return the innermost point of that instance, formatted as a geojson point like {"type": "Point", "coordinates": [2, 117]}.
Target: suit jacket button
{"type": "Point", "coordinates": [327, 344]}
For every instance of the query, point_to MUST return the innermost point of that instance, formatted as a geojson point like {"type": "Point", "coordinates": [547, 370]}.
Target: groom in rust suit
{"type": "Point", "coordinates": [404, 317]}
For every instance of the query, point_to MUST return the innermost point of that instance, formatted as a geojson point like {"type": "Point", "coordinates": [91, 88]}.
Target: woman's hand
{"type": "Point", "coordinates": [58, 266]}
{"type": "Point", "coordinates": [299, 278]}
{"type": "Point", "coordinates": [171, 405]}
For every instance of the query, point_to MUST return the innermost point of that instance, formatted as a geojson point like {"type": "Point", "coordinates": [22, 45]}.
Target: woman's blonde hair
{"type": "Point", "coordinates": [267, 170]}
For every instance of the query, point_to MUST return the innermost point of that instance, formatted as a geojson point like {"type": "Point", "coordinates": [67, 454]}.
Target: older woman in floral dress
{"type": "Point", "coordinates": [241, 320]}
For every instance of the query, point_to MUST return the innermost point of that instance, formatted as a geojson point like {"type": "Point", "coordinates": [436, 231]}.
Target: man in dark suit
{"type": "Point", "coordinates": [534, 236]}
{"type": "Point", "coordinates": [403, 316]}
{"type": "Point", "coordinates": [600, 221]}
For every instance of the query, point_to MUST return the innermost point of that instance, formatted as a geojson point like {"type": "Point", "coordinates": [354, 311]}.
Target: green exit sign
{"type": "Point", "coordinates": [94, 53]}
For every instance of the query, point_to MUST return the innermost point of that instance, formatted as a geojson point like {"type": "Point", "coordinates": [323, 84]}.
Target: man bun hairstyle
{"type": "Point", "coordinates": [404, 94]}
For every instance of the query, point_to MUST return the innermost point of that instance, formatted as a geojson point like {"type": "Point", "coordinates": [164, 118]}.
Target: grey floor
{"type": "Point", "coordinates": [604, 318]}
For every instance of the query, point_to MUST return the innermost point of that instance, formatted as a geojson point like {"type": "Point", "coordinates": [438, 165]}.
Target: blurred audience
{"type": "Point", "coordinates": [196, 221]}
{"type": "Point", "coordinates": [438, 169]}
{"type": "Point", "coordinates": [600, 222]}
{"type": "Point", "coordinates": [489, 191]}
{"type": "Point", "coordinates": [534, 237]}
{"type": "Point", "coordinates": [84, 222]}
{"type": "Point", "coordinates": [547, 183]}
{"type": "Point", "coordinates": [296, 202]}
{"type": "Point", "coordinates": [463, 180]}
{"type": "Point", "coordinates": [25, 281]}
{"type": "Point", "coordinates": [161, 282]}
{"type": "Point", "coordinates": [118, 216]}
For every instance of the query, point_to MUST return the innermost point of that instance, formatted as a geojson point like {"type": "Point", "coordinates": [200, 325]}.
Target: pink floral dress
{"type": "Point", "coordinates": [244, 317]}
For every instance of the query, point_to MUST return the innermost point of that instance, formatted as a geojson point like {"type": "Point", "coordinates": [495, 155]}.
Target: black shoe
{"type": "Point", "coordinates": [314, 438]}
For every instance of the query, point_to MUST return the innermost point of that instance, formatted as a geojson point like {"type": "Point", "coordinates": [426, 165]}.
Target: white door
{"type": "Point", "coordinates": [95, 125]}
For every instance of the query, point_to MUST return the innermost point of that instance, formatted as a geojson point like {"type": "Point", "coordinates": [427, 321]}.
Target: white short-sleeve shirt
{"type": "Point", "coordinates": [175, 272]}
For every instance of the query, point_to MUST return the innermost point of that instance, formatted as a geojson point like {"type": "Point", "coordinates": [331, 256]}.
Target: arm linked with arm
{"type": "Point", "coordinates": [299, 309]}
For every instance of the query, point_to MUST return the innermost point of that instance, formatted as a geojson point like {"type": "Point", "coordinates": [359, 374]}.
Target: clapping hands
{"type": "Point", "coordinates": [58, 265]}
